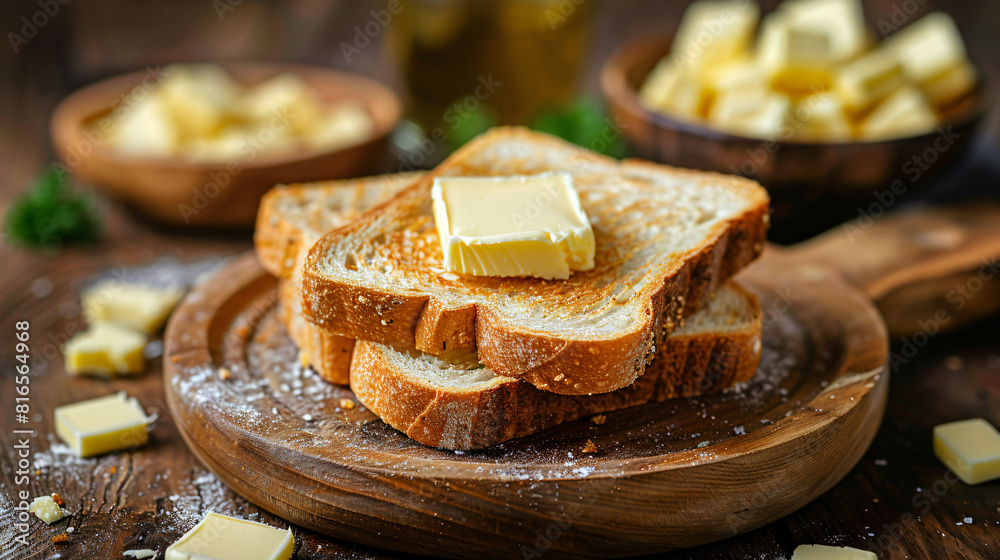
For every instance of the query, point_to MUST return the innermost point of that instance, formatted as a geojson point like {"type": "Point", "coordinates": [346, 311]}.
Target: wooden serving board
{"type": "Point", "coordinates": [666, 475]}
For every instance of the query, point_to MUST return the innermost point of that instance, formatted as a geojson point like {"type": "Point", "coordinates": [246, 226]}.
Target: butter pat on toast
{"type": "Point", "coordinates": [666, 239]}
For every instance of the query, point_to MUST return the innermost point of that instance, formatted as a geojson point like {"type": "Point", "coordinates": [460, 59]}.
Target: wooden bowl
{"type": "Point", "coordinates": [813, 185]}
{"type": "Point", "coordinates": [214, 193]}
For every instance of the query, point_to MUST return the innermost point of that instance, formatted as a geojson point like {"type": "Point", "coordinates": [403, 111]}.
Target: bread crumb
{"type": "Point", "coordinates": [60, 538]}
{"type": "Point", "coordinates": [224, 374]}
{"type": "Point", "coordinates": [600, 419]}
{"type": "Point", "coordinates": [175, 359]}
{"type": "Point", "coordinates": [346, 404]}
{"type": "Point", "coordinates": [590, 447]}
{"type": "Point", "coordinates": [559, 377]}
{"type": "Point", "coordinates": [114, 470]}
{"type": "Point", "coordinates": [57, 499]}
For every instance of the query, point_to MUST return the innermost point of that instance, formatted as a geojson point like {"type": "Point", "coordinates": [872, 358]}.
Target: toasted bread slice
{"type": "Point", "coordinates": [455, 404]}
{"type": "Point", "coordinates": [666, 238]}
{"type": "Point", "coordinates": [290, 220]}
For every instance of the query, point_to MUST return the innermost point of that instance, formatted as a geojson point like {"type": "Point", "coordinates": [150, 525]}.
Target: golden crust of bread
{"type": "Point", "coordinates": [416, 314]}
{"type": "Point", "coordinates": [503, 408]}
{"type": "Point", "coordinates": [291, 218]}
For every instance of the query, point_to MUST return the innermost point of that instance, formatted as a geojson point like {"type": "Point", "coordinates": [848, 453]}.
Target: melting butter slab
{"type": "Point", "coordinates": [970, 449]}
{"type": "Point", "coordinates": [46, 509]}
{"type": "Point", "coordinates": [218, 537]}
{"type": "Point", "coordinates": [529, 225]}
{"type": "Point", "coordinates": [103, 424]}
{"type": "Point", "coordinates": [823, 552]}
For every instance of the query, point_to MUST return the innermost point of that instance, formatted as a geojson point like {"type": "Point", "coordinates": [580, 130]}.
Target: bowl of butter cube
{"type": "Point", "coordinates": [805, 100]}
{"type": "Point", "coordinates": [199, 144]}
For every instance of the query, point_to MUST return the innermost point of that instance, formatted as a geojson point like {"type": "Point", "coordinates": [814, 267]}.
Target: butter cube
{"type": "Point", "coordinates": [928, 47]}
{"type": "Point", "coordinates": [766, 118]}
{"type": "Point", "coordinates": [869, 79]}
{"type": "Point", "coordinates": [512, 226]}
{"type": "Point", "coordinates": [46, 509]}
{"type": "Point", "coordinates": [822, 552]}
{"type": "Point", "coordinates": [802, 42]}
{"type": "Point", "coordinates": [970, 449]}
{"type": "Point", "coordinates": [103, 424]}
{"type": "Point", "coordinates": [658, 88]}
{"type": "Point", "coordinates": [284, 100]}
{"type": "Point", "coordinates": [715, 30]}
{"type": "Point", "coordinates": [952, 85]}
{"type": "Point", "coordinates": [218, 537]}
{"type": "Point", "coordinates": [344, 124]}
{"type": "Point", "coordinates": [199, 97]}
{"type": "Point", "coordinates": [904, 113]}
{"type": "Point", "coordinates": [821, 117]}
{"type": "Point", "coordinates": [147, 129]}
{"type": "Point", "coordinates": [140, 308]}
{"type": "Point", "coordinates": [105, 350]}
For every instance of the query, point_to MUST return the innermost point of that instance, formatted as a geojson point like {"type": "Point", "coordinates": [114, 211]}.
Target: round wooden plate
{"type": "Point", "coordinates": [665, 476]}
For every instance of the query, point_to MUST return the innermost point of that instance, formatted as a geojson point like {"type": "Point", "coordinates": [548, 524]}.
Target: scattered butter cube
{"type": "Point", "coordinates": [218, 537]}
{"type": "Point", "coordinates": [529, 225]}
{"type": "Point", "coordinates": [928, 47]}
{"type": "Point", "coordinates": [105, 350]}
{"type": "Point", "coordinates": [715, 30]}
{"type": "Point", "coordinates": [970, 449]}
{"type": "Point", "coordinates": [904, 113]}
{"type": "Point", "coordinates": [138, 307]}
{"type": "Point", "coordinates": [141, 553]}
{"type": "Point", "coordinates": [822, 552]}
{"type": "Point", "coordinates": [46, 509]}
{"type": "Point", "coordinates": [869, 79]}
{"type": "Point", "coordinates": [103, 424]}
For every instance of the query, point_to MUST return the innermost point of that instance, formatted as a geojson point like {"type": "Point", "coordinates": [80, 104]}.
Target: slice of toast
{"type": "Point", "coordinates": [456, 404]}
{"type": "Point", "coordinates": [290, 220]}
{"type": "Point", "coordinates": [666, 238]}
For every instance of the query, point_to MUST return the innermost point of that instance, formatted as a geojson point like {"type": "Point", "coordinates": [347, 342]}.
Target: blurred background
{"type": "Point", "coordinates": [459, 66]}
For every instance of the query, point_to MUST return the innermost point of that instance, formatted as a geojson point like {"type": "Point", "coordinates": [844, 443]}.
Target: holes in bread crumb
{"type": "Point", "coordinates": [351, 261]}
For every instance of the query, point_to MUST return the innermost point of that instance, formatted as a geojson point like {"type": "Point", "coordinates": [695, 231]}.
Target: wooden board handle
{"type": "Point", "coordinates": [928, 269]}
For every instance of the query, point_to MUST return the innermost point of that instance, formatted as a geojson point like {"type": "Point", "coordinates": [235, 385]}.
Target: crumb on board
{"type": "Point", "coordinates": [590, 447]}
{"type": "Point", "coordinates": [346, 404]}
{"type": "Point", "coordinates": [599, 419]}
{"type": "Point", "coordinates": [224, 374]}
{"type": "Point", "coordinates": [114, 470]}
{"type": "Point", "coordinates": [57, 499]}
{"type": "Point", "coordinates": [60, 538]}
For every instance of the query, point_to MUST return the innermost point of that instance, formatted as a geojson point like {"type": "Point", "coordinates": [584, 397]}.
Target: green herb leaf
{"type": "Point", "coordinates": [584, 123]}
{"type": "Point", "coordinates": [51, 215]}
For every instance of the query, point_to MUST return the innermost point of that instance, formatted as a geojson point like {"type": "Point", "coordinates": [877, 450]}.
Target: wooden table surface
{"type": "Point", "coordinates": [899, 500]}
